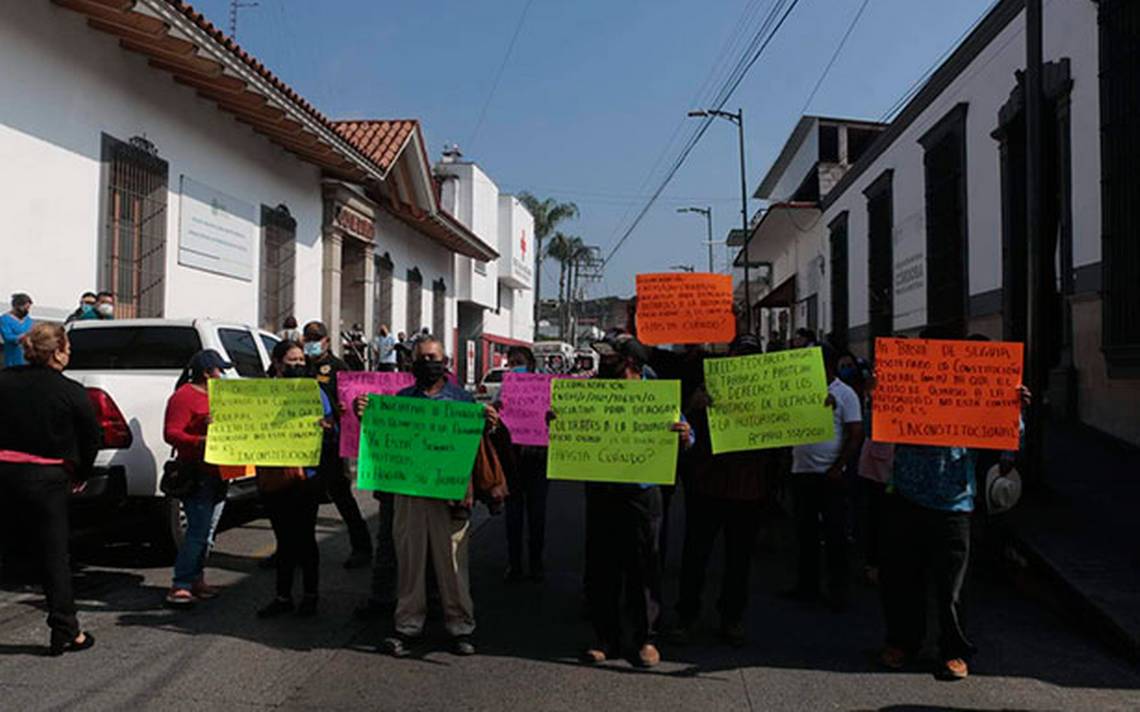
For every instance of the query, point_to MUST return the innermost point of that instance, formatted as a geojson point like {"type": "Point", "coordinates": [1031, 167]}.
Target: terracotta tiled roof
{"type": "Point", "coordinates": [381, 141]}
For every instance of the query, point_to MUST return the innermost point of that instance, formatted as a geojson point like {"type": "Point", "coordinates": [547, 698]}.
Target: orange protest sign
{"type": "Point", "coordinates": [685, 308]}
{"type": "Point", "coordinates": [948, 393]}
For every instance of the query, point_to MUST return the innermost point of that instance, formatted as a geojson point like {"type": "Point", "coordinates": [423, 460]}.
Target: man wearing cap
{"type": "Point", "coordinates": [13, 326]}
{"type": "Point", "coordinates": [926, 534]}
{"type": "Point", "coordinates": [324, 366]}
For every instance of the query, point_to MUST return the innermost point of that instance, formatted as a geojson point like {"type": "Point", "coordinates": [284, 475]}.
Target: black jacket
{"type": "Point", "coordinates": [44, 413]}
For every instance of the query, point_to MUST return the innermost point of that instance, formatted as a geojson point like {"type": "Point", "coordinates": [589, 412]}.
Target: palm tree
{"type": "Point", "coordinates": [547, 215]}
{"type": "Point", "coordinates": [567, 250]}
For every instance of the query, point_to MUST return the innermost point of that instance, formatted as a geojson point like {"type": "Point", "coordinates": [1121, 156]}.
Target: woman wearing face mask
{"type": "Point", "coordinates": [48, 440]}
{"type": "Point", "coordinates": [291, 495]}
{"type": "Point", "coordinates": [187, 419]}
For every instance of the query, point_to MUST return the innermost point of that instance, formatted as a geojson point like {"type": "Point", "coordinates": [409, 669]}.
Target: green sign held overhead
{"type": "Point", "coordinates": [614, 430]}
{"type": "Point", "coordinates": [418, 446]}
{"type": "Point", "coordinates": [768, 400]}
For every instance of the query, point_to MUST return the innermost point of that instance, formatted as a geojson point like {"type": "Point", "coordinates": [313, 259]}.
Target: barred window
{"type": "Point", "coordinates": [415, 300]}
{"type": "Point", "coordinates": [880, 265]}
{"type": "Point", "coordinates": [278, 266]}
{"type": "Point", "coordinates": [944, 166]}
{"type": "Point", "coordinates": [382, 295]}
{"type": "Point", "coordinates": [839, 297]}
{"type": "Point", "coordinates": [133, 245]}
{"type": "Point", "coordinates": [439, 309]}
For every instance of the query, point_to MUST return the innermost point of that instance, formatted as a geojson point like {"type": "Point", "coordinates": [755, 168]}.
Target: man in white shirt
{"type": "Point", "coordinates": [385, 345]}
{"type": "Point", "coordinates": [820, 493]}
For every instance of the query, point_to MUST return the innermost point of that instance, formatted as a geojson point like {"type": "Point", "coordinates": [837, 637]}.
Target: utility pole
{"type": "Point", "coordinates": [236, 5]}
{"type": "Point", "coordinates": [588, 266]}
{"type": "Point", "coordinates": [707, 212]}
{"type": "Point", "coordinates": [1035, 343]}
{"type": "Point", "coordinates": [738, 119]}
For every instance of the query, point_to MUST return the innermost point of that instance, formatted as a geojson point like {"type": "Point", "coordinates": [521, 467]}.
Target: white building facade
{"type": "Point", "coordinates": [219, 194]}
{"type": "Point", "coordinates": [928, 229]}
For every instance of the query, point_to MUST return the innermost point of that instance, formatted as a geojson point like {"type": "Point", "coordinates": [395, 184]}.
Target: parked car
{"type": "Point", "coordinates": [489, 386]}
{"type": "Point", "coordinates": [129, 368]}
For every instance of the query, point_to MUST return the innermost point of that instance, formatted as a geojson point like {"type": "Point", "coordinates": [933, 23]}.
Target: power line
{"type": "Point", "coordinates": [499, 73]}
{"type": "Point", "coordinates": [834, 56]}
{"type": "Point", "coordinates": [760, 42]}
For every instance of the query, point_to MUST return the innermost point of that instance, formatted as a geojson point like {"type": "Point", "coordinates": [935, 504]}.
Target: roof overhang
{"type": "Point", "coordinates": [177, 39]}
{"type": "Point", "coordinates": [780, 222]}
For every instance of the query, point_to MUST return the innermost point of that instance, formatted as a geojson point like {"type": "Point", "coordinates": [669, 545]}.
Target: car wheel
{"type": "Point", "coordinates": [169, 525]}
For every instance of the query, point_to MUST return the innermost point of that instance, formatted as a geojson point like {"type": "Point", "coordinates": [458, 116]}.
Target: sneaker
{"type": "Point", "coordinates": [648, 656]}
{"type": "Point", "coordinates": [398, 646]}
{"type": "Point", "coordinates": [276, 607]}
{"type": "Point", "coordinates": [180, 598]}
{"type": "Point", "coordinates": [308, 607]}
{"type": "Point", "coordinates": [204, 591]}
{"type": "Point", "coordinates": [893, 658]}
{"type": "Point", "coordinates": [734, 634]}
{"type": "Point", "coordinates": [955, 669]}
{"type": "Point", "coordinates": [462, 645]}
{"type": "Point", "coordinates": [358, 560]}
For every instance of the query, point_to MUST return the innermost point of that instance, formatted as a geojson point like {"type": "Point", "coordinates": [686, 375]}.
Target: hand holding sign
{"type": "Point", "coordinates": [948, 393]}
{"type": "Point", "coordinates": [685, 308]}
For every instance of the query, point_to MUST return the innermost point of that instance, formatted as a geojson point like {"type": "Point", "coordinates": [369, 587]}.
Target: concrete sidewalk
{"type": "Point", "coordinates": [1083, 531]}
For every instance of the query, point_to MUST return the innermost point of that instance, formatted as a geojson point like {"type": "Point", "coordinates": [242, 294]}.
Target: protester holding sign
{"type": "Point", "coordinates": [819, 491]}
{"type": "Point", "coordinates": [926, 528]}
{"type": "Point", "coordinates": [621, 542]}
{"type": "Point", "coordinates": [186, 422]}
{"type": "Point", "coordinates": [422, 524]}
{"type": "Point", "coordinates": [725, 494]}
{"type": "Point", "coordinates": [291, 496]}
{"type": "Point", "coordinates": [527, 478]}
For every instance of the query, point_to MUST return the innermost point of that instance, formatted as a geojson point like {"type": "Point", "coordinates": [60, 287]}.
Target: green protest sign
{"type": "Point", "coordinates": [614, 430]}
{"type": "Point", "coordinates": [768, 400]}
{"type": "Point", "coordinates": [274, 422]}
{"type": "Point", "coordinates": [418, 446]}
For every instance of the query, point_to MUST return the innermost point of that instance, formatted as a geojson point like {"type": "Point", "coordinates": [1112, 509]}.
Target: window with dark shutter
{"type": "Point", "coordinates": [382, 294]}
{"type": "Point", "coordinates": [439, 309]}
{"type": "Point", "coordinates": [133, 250]}
{"type": "Point", "coordinates": [839, 297]}
{"type": "Point", "coordinates": [1119, 22]}
{"type": "Point", "coordinates": [278, 266]}
{"type": "Point", "coordinates": [880, 263]}
{"type": "Point", "coordinates": [944, 164]}
{"type": "Point", "coordinates": [415, 300]}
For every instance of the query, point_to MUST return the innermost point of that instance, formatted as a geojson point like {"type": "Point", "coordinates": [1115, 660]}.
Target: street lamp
{"type": "Point", "coordinates": [738, 119]}
{"type": "Point", "coordinates": [707, 212]}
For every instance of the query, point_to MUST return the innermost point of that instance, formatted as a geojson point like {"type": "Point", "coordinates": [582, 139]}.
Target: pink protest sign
{"type": "Point", "coordinates": [526, 400]}
{"type": "Point", "coordinates": [350, 384]}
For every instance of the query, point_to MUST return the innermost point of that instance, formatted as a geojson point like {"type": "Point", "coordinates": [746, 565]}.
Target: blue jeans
{"type": "Point", "coordinates": [203, 510]}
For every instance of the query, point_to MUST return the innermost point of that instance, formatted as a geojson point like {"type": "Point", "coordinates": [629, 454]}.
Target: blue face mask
{"type": "Point", "coordinates": [847, 374]}
{"type": "Point", "coordinates": [520, 369]}
{"type": "Point", "coordinates": [313, 349]}
{"type": "Point", "coordinates": [87, 310]}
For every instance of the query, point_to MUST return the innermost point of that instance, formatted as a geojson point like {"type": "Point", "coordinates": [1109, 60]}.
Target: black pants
{"type": "Point", "coordinates": [872, 498]}
{"type": "Point", "coordinates": [527, 501]}
{"type": "Point", "coordinates": [339, 489]}
{"type": "Point", "coordinates": [708, 516]}
{"type": "Point", "coordinates": [818, 498]}
{"type": "Point", "coordinates": [621, 555]}
{"type": "Point", "coordinates": [39, 493]}
{"type": "Point", "coordinates": [293, 514]}
{"type": "Point", "coordinates": [920, 545]}
{"type": "Point", "coordinates": [384, 560]}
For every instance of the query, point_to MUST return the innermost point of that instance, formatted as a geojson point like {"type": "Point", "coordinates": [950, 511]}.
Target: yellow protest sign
{"type": "Point", "coordinates": [268, 421]}
{"type": "Point", "coordinates": [614, 430]}
{"type": "Point", "coordinates": [768, 400]}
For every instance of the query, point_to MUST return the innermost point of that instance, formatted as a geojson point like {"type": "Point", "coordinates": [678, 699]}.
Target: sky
{"type": "Point", "coordinates": [594, 91]}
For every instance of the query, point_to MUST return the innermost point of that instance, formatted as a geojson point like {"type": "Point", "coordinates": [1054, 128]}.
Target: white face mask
{"type": "Point", "coordinates": [105, 309]}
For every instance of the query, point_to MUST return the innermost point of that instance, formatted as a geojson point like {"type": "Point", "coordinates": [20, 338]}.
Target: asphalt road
{"type": "Point", "coordinates": [219, 656]}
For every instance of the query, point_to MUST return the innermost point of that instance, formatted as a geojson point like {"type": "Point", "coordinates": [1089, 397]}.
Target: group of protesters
{"type": "Point", "coordinates": [914, 522]}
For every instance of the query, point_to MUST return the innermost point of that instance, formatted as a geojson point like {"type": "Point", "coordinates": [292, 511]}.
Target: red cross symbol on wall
{"type": "Point", "coordinates": [523, 241]}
